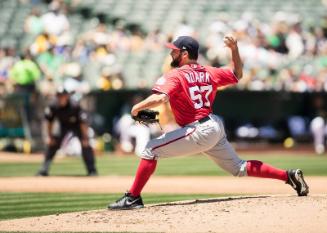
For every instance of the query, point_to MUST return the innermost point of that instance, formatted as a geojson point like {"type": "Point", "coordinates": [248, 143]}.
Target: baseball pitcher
{"type": "Point", "coordinates": [191, 89]}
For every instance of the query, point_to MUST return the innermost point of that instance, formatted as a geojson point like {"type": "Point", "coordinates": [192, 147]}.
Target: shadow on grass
{"type": "Point", "coordinates": [68, 175]}
{"type": "Point", "coordinates": [205, 201]}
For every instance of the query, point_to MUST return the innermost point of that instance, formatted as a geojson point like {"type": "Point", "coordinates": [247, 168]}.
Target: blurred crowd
{"type": "Point", "coordinates": [282, 53]}
{"type": "Point", "coordinates": [278, 55]}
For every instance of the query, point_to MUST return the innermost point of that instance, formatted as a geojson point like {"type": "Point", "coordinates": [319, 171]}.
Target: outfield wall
{"type": "Point", "coordinates": [237, 108]}
{"type": "Point", "coordinates": [260, 109]}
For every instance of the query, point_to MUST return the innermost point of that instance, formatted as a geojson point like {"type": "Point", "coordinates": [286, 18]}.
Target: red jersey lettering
{"type": "Point", "coordinates": [192, 90]}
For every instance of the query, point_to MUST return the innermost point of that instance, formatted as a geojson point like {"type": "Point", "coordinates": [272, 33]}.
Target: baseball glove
{"type": "Point", "coordinates": [146, 117]}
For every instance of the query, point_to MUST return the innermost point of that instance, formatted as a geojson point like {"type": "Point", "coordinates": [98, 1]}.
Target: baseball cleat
{"type": "Point", "coordinates": [92, 173]}
{"type": "Point", "coordinates": [42, 173]}
{"type": "Point", "coordinates": [296, 180]}
{"type": "Point", "coordinates": [127, 202]}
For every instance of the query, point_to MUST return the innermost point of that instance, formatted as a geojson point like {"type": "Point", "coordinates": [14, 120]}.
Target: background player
{"type": "Point", "coordinates": [72, 119]}
{"type": "Point", "coordinates": [191, 90]}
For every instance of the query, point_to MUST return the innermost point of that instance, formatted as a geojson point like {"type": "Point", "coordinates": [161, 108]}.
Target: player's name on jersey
{"type": "Point", "coordinates": [194, 77]}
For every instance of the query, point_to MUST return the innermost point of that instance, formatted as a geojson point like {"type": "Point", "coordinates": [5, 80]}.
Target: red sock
{"type": "Point", "coordinates": [144, 171]}
{"type": "Point", "coordinates": [260, 169]}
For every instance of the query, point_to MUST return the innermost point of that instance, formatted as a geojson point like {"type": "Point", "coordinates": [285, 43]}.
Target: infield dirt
{"type": "Point", "coordinates": [264, 213]}
{"type": "Point", "coordinates": [264, 206]}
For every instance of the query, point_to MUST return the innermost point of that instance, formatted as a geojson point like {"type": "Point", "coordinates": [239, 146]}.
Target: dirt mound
{"type": "Point", "coordinates": [158, 184]}
{"type": "Point", "coordinates": [232, 214]}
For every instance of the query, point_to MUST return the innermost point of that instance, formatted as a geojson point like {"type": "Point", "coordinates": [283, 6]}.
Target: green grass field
{"type": "Point", "coordinates": [198, 165]}
{"type": "Point", "coordinates": [17, 205]}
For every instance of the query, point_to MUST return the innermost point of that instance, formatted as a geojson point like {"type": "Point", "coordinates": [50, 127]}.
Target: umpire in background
{"type": "Point", "coordinates": [71, 118]}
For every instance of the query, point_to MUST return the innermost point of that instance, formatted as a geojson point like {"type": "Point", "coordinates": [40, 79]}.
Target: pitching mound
{"type": "Point", "coordinates": [232, 214]}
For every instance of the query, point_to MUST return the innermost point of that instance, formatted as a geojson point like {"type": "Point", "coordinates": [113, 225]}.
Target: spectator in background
{"type": "Point", "coordinates": [119, 40]}
{"type": "Point", "coordinates": [24, 74]}
{"type": "Point", "coordinates": [103, 55]}
{"type": "Point", "coordinates": [294, 41]}
{"type": "Point", "coordinates": [50, 63]}
{"type": "Point", "coordinates": [111, 79]}
{"type": "Point", "coordinates": [277, 35]}
{"type": "Point", "coordinates": [154, 40]}
{"type": "Point", "coordinates": [318, 125]}
{"type": "Point", "coordinates": [5, 64]}
{"type": "Point", "coordinates": [97, 36]}
{"type": "Point", "coordinates": [132, 136]}
{"type": "Point", "coordinates": [33, 23]}
{"type": "Point", "coordinates": [81, 52]}
{"type": "Point", "coordinates": [55, 21]}
{"type": "Point", "coordinates": [7, 59]}
{"type": "Point", "coordinates": [130, 132]}
{"type": "Point", "coordinates": [136, 39]}
{"type": "Point", "coordinates": [42, 43]}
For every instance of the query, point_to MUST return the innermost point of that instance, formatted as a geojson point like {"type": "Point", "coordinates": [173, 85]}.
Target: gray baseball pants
{"type": "Point", "coordinates": [207, 137]}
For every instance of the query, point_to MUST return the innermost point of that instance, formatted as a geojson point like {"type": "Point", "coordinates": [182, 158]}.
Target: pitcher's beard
{"type": "Point", "coordinates": [175, 62]}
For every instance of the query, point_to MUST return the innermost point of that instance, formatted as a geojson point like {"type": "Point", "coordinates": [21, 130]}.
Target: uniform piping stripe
{"type": "Point", "coordinates": [159, 91]}
{"type": "Point", "coordinates": [174, 140]}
